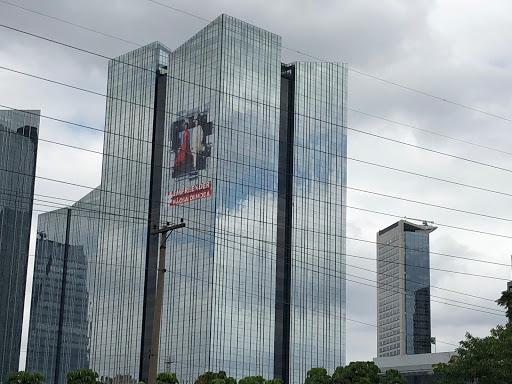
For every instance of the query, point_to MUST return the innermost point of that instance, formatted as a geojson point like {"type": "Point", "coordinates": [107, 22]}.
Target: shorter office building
{"type": "Point", "coordinates": [416, 369]}
{"type": "Point", "coordinates": [403, 289]}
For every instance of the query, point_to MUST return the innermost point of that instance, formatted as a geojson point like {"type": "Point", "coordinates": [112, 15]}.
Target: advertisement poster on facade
{"type": "Point", "coordinates": [191, 146]}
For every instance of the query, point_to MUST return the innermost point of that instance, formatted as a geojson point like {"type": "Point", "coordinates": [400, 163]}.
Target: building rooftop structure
{"type": "Point", "coordinates": [417, 369]}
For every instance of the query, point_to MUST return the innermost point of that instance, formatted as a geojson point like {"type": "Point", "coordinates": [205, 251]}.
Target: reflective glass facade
{"type": "Point", "coordinates": [18, 152]}
{"type": "Point", "coordinates": [318, 293]}
{"type": "Point", "coordinates": [64, 277]}
{"type": "Point", "coordinates": [220, 315]}
{"type": "Point", "coordinates": [403, 289]}
{"type": "Point", "coordinates": [245, 150]}
{"type": "Point", "coordinates": [124, 296]}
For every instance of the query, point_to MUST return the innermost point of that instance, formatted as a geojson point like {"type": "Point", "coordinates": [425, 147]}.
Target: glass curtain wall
{"type": "Point", "coordinates": [222, 159]}
{"type": "Point", "coordinates": [417, 288]}
{"type": "Point", "coordinates": [120, 290]}
{"type": "Point", "coordinates": [64, 276]}
{"type": "Point", "coordinates": [318, 286]}
{"type": "Point", "coordinates": [18, 152]}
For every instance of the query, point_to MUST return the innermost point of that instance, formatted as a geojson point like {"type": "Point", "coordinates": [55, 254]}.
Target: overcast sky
{"type": "Point", "coordinates": [455, 50]}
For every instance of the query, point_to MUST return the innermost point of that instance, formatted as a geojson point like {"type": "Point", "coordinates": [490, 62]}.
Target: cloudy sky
{"type": "Point", "coordinates": [457, 53]}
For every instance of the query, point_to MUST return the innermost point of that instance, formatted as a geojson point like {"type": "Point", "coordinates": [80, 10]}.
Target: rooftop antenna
{"type": "Point", "coordinates": [425, 222]}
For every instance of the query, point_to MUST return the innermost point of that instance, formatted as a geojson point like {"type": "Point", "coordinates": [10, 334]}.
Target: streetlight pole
{"type": "Point", "coordinates": [155, 337]}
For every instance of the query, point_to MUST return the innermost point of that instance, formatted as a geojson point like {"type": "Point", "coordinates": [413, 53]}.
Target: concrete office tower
{"type": "Point", "coordinates": [18, 152]}
{"type": "Point", "coordinates": [64, 276]}
{"type": "Point", "coordinates": [403, 289]}
{"type": "Point", "coordinates": [251, 154]}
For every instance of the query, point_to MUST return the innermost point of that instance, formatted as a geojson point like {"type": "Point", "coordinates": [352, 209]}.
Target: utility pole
{"type": "Point", "coordinates": [155, 337]}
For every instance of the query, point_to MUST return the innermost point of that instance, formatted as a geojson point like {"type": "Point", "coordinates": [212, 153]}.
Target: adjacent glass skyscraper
{"type": "Point", "coordinates": [251, 154]}
{"type": "Point", "coordinates": [65, 276]}
{"type": "Point", "coordinates": [18, 152]}
{"type": "Point", "coordinates": [403, 289]}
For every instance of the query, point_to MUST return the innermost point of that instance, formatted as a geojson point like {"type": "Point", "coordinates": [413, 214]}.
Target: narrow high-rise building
{"type": "Point", "coordinates": [251, 154]}
{"type": "Point", "coordinates": [403, 289]}
{"type": "Point", "coordinates": [64, 269]}
{"type": "Point", "coordinates": [18, 152]}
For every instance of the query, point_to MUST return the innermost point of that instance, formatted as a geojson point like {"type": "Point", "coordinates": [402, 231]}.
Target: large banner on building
{"type": "Point", "coordinates": [191, 148]}
{"type": "Point", "coordinates": [190, 142]}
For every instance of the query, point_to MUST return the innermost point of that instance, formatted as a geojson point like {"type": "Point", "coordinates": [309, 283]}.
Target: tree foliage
{"type": "Point", "coordinates": [23, 377]}
{"type": "Point", "coordinates": [215, 378]}
{"type": "Point", "coordinates": [506, 301]}
{"type": "Point", "coordinates": [392, 376]}
{"type": "Point", "coordinates": [358, 372]}
{"type": "Point", "coordinates": [252, 380]}
{"type": "Point", "coordinates": [274, 381]}
{"type": "Point", "coordinates": [82, 376]}
{"type": "Point", "coordinates": [259, 380]}
{"type": "Point", "coordinates": [317, 376]}
{"type": "Point", "coordinates": [485, 360]}
{"type": "Point", "coordinates": [166, 378]}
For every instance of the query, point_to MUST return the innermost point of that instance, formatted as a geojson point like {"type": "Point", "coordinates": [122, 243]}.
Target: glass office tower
{"type": "Point", "coordinates": [403, 289]}
{"type": "Point", "coordinates": [18, 152]}
{"type": "Point", "coordinates": [221, 158]}
{"type": "Point", "coordinates": [64, 281]}
{"type": "Point", "coordinates": [318, 218]}
{"type": "Point", "coordinates": [245, 150]}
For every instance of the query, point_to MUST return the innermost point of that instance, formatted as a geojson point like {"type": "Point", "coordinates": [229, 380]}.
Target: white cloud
{"type": "Point", "coordinates": [443, 48]}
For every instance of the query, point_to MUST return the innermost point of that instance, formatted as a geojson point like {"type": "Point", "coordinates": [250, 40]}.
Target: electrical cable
{"type": "Point", "coordinates": [423, 93]}
{"type": "Point", "coordinates": [349, 109]}
{"type": "Point", "coordinates": [225, 233]}
{"type": "Point", "coordinates": [401, 198]}
{"type": "Point", "coordinates": [70, 23]}
{"type": "Point", "coordinates": [242, 98]}
{"type": "Point", "coordinates": [191, 208]}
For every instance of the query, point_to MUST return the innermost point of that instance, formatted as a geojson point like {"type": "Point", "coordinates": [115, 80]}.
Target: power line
{"type": "Point", "coordinates": [290, 49]}
{"type": "Point", "coordinates": [362, 190]}
{"type": "Point", "coordinates": [216, 178]}
{"type": "Point", "coordinates": [431, 132]}
{"type": "Point", "coordinates": [279, 172]}
{"type": "Point", "coordinates": [219, 232]}
{"type": "Point", "coordinates": [295, 247]}
{"type": "Point", "coordinates": [424, 93]}
{"type": "Point", "coordinates": [70, 23]}
{"type": "Point", "coordinates": [349, 109]}
{"type": "Point", "coordinates": [241, 98]}
{"type": "Point", "coordinates": [249, 292]}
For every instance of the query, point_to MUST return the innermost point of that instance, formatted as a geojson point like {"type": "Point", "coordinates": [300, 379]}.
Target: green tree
{"type": "Point", "coordinates": [166, 378]}
{"type": "Point", "coordinates": [252, 380]}
{"type": "Point", "coordinates": [259, 380]}
{"type": "Point", "coordinates": [215, 378]}
{"type": "Point", "coordinates": [506, 301]}
{"type": "Point", "coordinates": [357, 372]}
{"type": "Point", "coordinates": [317, 376]}
{"type": "Point", "coordinates": [82, 376]}
{"type": "Point", "coordinates": [392, 376]}
{"type": "Point", "coordinates": [485, 360]}
{"type": "Point", "coordinates": [274, 381]}
{"type": "Point", "coordinates": [23, 377]}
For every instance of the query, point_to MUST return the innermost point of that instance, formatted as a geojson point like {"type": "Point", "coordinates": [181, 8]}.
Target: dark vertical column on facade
{"type": "Point", "coordinates": [58, 370]}
{"type": "Point", "coordinates": [155, 200]}
{"type": "Point", "coordinates": [284, 230]}
{"type": "Point", "coordinates": [421, 320]}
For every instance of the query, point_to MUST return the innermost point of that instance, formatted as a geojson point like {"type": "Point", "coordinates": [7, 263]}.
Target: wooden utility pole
{"type": "Point", "coordinates": [155, 337]}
